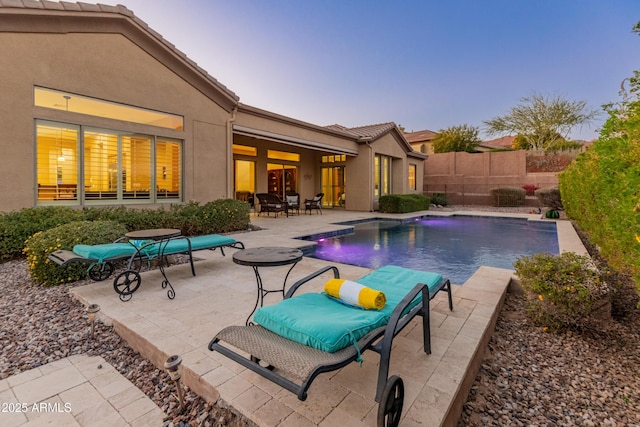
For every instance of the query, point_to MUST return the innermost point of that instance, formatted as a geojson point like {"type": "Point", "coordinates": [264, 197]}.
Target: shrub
{"type": "Point", "coordinates": [530, 189]}
{"type": "Point", "coordinates": [600, 189]}
{"type": "Point", "coordinates": [218, 216]}
{"type": "Point", "coordinates": [439, 199]}
{"type": "Point", "coordinates": [549, 197]}
{"type": "Point", "coordinates": [508, 196]}
{"type": "Point", "coordinates": [402, 203]}
{"type": "Point", "coordinates": [16, 227]}
{"type": "Point", "coordinates": [40, 245]}
{"type": "Point", "coordinates": [564, 291]}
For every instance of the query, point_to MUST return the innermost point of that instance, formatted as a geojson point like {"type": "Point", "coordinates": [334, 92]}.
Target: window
{"type": "Point", "coordinates": [412, 177]}
{"type": "Point", "coordinates": [57, 162]}
{"type": "Point", "coordinates": [283, 155]}
{"type": "Point", "coordinates": [245, 150]}
{"type": "Point", "coordinates": [334, 158]}
{"type": "Point", "coordinates": [72, 102]}
{"type": "Point", "coordinates": [115, 166]}
{"type": "Point", "coordinates": [382, 176]}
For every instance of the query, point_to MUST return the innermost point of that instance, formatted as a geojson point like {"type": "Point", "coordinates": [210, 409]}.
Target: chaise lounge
{"type": "Point", "coordinates": [101, 258]}
{"type": "Point", "coordinates": [306, 335]}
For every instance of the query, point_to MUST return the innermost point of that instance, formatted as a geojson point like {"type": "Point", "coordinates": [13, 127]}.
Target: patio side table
{"type": "Point", "coordinates": [267, 256]}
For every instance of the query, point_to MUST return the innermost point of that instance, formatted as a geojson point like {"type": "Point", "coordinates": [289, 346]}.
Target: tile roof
{"type": "Point", "coordinates": [69, 7]}
{"type": "Point", "coordinates": [420, 136]}
{"type": "Point", "coordinates": [369, 131]}
{"type": "Point", "coordinates": [502, 142]}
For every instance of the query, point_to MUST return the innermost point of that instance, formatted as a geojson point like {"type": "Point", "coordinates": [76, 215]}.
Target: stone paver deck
{"type": "Point", "coordinates": [224, 293]}
{"type": "Point", "coordinates": [76, 391]}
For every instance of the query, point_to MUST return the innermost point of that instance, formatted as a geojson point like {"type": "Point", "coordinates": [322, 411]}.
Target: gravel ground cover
{"type": "Point", "coordinates": [39, 325]}
{"type": "Point", "coordinates": [529, 377]}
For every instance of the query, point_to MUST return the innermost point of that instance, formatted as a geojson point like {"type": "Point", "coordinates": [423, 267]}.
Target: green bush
{"type": "Point", "coordinates": [439, 199]}
{"type": "Point", "coordinates": [564, 291]}
{"type": "Point", "coordinates": [403, 203]}
{"type": "Point", "coordinates": [601, 188]}
{"type": "Point", "coordinates": [508, 196]}
{"type": "Point", "coordinates": [16, 227]}
{"type": "Point", "coordinates": [44, 271]}
{"type": "Point", "coordinates": [549, 197]}
{"type": "Point", "coordinates": [219, 216]}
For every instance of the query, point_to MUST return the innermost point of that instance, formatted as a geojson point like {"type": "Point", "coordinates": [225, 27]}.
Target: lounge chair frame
{"type": "Point", "coordinates": [127, 282]}
{"type": "Point", "coordinates": [306, 363]}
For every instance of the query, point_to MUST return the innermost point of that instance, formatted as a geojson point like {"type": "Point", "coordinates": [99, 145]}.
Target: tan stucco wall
{"type": "Point", "coordinates": [359, 185]}
{"type": "Point", "coordinates": [110, 67]}
{"type": "Point", "coordinates": [477, 173]}
{"type": "Point", "coordinates": [113, 57]}
{"type": "Point", "coordinates": [291, 129]}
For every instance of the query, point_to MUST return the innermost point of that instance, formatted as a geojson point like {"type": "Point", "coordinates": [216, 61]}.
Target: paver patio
{"type": "Point", "coordinates": [224, 293]}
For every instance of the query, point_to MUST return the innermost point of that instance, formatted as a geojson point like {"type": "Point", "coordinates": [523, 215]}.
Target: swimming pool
{"type": "Point", "coordinates": [452, 246]}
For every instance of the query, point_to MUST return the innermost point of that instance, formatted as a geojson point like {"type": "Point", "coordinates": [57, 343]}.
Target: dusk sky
{"type": "Point", "coordinates": [421, 64]}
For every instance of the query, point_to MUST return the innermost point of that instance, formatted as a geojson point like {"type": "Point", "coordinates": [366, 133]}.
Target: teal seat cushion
{"type": "Point", "coordinates": [181, 245]}
{"type": "Point", "coordinates": [314, 319]}
{"type": "Point", "coordinates": [210, 241]}
{"type": "Point", "coordinates": [396, 282]}
{"type": "Point", "coordinates": [105, 251]}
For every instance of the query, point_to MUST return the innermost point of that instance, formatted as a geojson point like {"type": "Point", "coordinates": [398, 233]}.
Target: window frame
{"type": "Point", "coordinates": [80, 198]}
{"type": "Point", "coordinates": [413, 176]}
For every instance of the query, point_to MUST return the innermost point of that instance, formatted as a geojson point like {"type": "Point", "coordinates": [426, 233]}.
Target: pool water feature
{"type": "Point", "coordinates": [453, 246]}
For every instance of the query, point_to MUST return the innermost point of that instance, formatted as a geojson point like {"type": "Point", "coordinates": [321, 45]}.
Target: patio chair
{"type": "Point", "coordinates": [270, 202]}
{"type": "Point", "coordinates": [305, 335]}
{"type": "Point", "coordinates": [293, 202]}
{"type": "Point", "coordinates": [315, 203]}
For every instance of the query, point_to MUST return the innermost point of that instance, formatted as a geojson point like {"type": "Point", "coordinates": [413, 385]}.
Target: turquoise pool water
{"type": "Point", "coordinates": [452, 246]}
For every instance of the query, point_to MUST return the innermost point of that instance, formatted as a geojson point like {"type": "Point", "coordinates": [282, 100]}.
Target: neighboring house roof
{"type": "Point", "coordinates": [424, 135]}
{"type": "Point", "coordinates": [36, 16]}
{"type": "Point", "coordinates": [498, 143]}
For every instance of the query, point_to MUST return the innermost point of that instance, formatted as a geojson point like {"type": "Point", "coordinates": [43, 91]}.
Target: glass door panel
{"type": "Point", "coordinates": [333, 185]}
{"type": "Point", "coordinates": [245, 180]}
{"type": "Point", "coordinates": [281, 179]}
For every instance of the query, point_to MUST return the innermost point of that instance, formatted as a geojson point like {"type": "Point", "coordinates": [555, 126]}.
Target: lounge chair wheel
{"type": "Point", "coordinates": [126, 283]}
{"type": "Point", "coordinates": [390, 407]}
{"type": "Point", "coordinates": [100, 272]}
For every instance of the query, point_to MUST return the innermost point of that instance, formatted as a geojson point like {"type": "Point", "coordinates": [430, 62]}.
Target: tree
{"type": "Point", "coordinates": [542, 121]}
{"type": "Point", "coordinates": [456, 138]}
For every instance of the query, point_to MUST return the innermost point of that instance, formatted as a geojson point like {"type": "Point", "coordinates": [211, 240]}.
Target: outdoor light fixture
{"type": "Point", "coordinates": [92, 310]}
{"type": "Point", "coordinates": [172, 365]}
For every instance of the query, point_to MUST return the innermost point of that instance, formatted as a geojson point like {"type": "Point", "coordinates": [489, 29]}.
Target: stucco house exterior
{"type": "Point", "coordinates": [99, 109]}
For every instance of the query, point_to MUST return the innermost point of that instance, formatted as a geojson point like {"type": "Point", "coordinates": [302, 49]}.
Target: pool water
{"type": "Point", "coordinates": [453, 246]}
